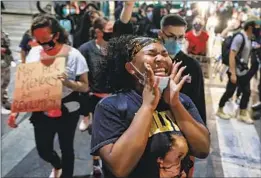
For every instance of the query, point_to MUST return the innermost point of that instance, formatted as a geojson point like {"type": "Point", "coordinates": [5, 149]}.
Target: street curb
{"type": "Point", "coordinates": [16, 145]}
{"type": "Point", "coordinates": [18, 13]}
{"type": "Point", "coordinates": [19, 120]}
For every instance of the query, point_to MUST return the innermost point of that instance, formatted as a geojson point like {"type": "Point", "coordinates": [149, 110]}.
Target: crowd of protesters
{"type": "Point", "coordinates": [135, 81]}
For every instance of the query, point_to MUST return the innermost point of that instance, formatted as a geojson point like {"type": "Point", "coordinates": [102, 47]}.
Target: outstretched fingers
{"type": "Point", "coordinates": [182, 81]}
{"type": "Point", "coordinates": [175, 67]}
{"type": "Point", "coordinates": [150, 79]}
{"type": "Point", "coordinates": [179, 74]}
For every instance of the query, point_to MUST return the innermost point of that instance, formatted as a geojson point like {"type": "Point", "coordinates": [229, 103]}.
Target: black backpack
{"type": "Point", "coordinates": [225, 51]}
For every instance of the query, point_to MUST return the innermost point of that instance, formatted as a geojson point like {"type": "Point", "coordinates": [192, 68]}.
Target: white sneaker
{"type": "Point", "coordinates": [5, 111]}
{"type": "Point", "coordinates": [56, 173]}
{"type": "Point", "coordinates": [84, 124]}
{"type": "Point", "coordinates": [13, 64]}
{"type": "Point", "coordinates": [97, 171]}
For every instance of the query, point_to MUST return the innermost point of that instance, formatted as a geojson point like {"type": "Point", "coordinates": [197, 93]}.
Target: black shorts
{"type": "Point", "coordinates": [88, 103]}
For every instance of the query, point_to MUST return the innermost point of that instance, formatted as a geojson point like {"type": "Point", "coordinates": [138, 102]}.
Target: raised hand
{"type": "Point", "coordinates": [151, 93]}
{"type": "Point", "coordinates": [64, 78]}
{"type": "Point", "coordinates": [171, 93]}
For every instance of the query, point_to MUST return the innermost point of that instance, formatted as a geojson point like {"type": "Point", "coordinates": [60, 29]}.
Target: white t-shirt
{"type": "Point", "coordinates": [76, 65]}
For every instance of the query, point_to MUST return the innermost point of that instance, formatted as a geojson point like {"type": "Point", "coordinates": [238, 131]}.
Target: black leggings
{"type": "Point", "coordinates": [243, 84]}
{"type": "Point", "coordinates": [45, 129]}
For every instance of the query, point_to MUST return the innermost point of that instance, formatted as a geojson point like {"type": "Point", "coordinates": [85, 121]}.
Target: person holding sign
{"type": "Point", "coordinates": [53, 40]}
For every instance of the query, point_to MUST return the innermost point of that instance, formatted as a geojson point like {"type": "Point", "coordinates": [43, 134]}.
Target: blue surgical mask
{"type": "Point", "coordinates": [65, 11]}
{"type": "Point", "coordinates": [173, 47]}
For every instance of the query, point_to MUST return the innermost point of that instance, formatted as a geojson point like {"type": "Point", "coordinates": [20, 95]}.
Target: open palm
{"type": "Point", "coordinates": [171, 94]}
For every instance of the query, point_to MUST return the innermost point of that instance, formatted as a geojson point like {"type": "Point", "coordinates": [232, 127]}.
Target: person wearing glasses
{"type": "Point", "coordinates": [172, 34]}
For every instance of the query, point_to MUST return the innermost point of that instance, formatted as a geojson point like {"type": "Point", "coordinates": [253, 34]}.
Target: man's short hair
{"type": "Point", "coordinates": [198, 17]}
{"type": "Point", "coordinates": [99, 23]}
{"type": "Point", "coordinates": [92, 5]}
{"type": "Point", "coordinates": [173, 20]}
{"type": "Point", "coordinates": [149, 6]}
{"type": "Point", "coordinates": [249, 23]}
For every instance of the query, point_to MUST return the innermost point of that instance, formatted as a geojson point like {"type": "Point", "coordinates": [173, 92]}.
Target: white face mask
{"type": "Point", "coordinates": [150, 15]}
{"type": "Point", "coordinates": [163, 81]}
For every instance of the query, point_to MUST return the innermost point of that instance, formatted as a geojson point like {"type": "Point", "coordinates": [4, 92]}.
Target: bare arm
{"type": "Point", "coordinates": [186, 118]}
{"type": "Point", "coordinates": [236, 45]}
{"type": "Point", "coordinates": [196, 134]}
{"type": "Point", "coordinates": [81, 85]}
{"type": "Point", "coordinates": [124, 155]}
{"type": "Point", "coordinates": [225, 32]}
{"type": "Point", "coordinates": [23, 56]}
{"type": "Point", "coordinates": [127, 11]}
{"type": "Point", "coordinates": [232, 62]}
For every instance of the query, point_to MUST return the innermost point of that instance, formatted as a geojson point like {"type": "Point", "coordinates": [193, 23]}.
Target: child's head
{"type": "Point", "coordinates": [170, 162]}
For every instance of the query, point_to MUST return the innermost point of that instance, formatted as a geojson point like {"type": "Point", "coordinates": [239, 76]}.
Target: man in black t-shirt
{"type": "Point", "coordinates": [172, 34]}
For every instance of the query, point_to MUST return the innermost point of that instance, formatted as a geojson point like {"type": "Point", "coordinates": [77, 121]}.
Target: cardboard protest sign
{"type": "Point", "coordinates": [37, 87]}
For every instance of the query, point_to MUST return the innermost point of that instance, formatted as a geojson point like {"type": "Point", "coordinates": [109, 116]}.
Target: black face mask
{"type": "Point", "coordinates": [47, 46]}
{"type": "Point", "coordinates": [256, 32]}
{"type": "Point", "coordinates": [107, 36]}
{"type": "Point", "coordinates": [197, 26]}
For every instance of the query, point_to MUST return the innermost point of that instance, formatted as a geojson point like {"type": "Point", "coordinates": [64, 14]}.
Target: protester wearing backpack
{"type": "Point", "coordinates": [237, 59]}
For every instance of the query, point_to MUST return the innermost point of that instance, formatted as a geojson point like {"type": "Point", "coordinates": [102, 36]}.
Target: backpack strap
{"type": "Point", "coordinates": [242, 44]}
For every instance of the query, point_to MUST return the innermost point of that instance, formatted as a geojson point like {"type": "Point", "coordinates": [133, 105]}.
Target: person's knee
{"type": "Point", "coordinates": [229, 93]}
{"type": "Point", "coordinates": [247, 93]}
{"type": "Point", "coordinates": [45, 153]}
{"type": "Point", "coordinates": [67, 147]}
{"type": "Point", "coordinates": [67, 153]}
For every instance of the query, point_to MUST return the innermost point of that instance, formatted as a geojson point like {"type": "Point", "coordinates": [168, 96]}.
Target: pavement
{"type": "Point", "coordinates": [235, 146]}
{"type": "Point", "coordinates": [22, 7]}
